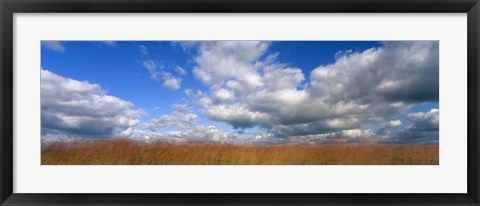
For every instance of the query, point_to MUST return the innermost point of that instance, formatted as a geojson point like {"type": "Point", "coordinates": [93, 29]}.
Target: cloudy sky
{"type": "Point", "coordinates": [241, 92]}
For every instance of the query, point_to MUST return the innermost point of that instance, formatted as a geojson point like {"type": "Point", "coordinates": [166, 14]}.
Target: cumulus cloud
{"type": "Point", "coordinates": [250, 88]}
{"type": "Point", "coordinates": [351, 136]}
{"type": "Point", "coordinates": [223, 95]}
{"type": "Point", "coordinates": [423, 131]}
{"type": "Point", "coordinates": [81, 109]}
{"type": "Point", "coordinates": [425, 121]}
{"type": "Point", "coordinates": [393, 124]}
{"type": "Point", "coordinates": [54, 46]}
{"type": "Point", "coordinates": [184, 121]}
{"type": "Point", "coordinates": [237, 115]}
{"type": "Point", "coordinates": [195, 134]}
{"type": "Point", "coordinates": [182, 118]}
{"type": "Point", "coordinates": [218, 61]}
{"type": "Point", "coordinates": [171, 83]}
{"type": "Point", "coordinates": [397, 72]}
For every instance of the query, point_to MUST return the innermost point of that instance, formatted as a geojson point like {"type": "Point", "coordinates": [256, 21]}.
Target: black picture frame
{"type": "Point", "coordinates": [10, 7]}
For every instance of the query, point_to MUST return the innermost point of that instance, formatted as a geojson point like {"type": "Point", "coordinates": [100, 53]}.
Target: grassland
{"type": "Point", "coordinates": [123, 152]}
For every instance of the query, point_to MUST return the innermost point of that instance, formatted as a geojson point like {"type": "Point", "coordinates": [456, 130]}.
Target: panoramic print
{"type": "Point", "coordinates": [239, 102]}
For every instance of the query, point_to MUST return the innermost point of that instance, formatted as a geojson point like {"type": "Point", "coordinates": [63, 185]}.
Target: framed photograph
{"type": "Point", "coordinates": [269, 102]}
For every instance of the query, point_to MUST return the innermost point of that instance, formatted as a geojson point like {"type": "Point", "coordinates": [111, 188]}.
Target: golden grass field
{"type": "Point", "coordinates": [124, 152]}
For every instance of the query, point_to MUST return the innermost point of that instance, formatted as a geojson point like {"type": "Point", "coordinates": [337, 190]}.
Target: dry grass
{"type": "Point", "coordinates": [123, 152]}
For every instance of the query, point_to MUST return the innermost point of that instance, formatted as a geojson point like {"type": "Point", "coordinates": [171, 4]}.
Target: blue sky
{"type": "Point", "coordinates": [232, 90]}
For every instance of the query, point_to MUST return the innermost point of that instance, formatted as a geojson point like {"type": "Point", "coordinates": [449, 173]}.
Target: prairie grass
{"type": "Point", "coordinates": [124, 152]}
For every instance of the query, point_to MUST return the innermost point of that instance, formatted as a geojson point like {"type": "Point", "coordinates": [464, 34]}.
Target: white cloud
{"type": "Point", "coordinates": [223, 95]}
{"type": "Point", "coordinates": [238, 115]}
{"type": "Point", "coordinates": [249, 88]}
{"type": "Point", "coordinates": [425, 121]}
{"type": "Point", "coordinates": [81, 109]}
{"type": "Point", "coordinates": [171, 83]}
{"type": "Point", "coordinates": [181, 118]}
{"type": "Point", "coordinates": [397, 72]}
{"type": "Point", "coordinates": [180, 70]}
{"type": "Point", "coordinates": [342, 136]}
{"type": "Point", "coordinates": [389, 132]}
{"type": "Point", "coordinates": [184, 120]}
{"type": "Point", "coordinates": [194, 134]}
{"type": "Point", "coordinates": [156, 70]}
{"type": "Point", "coordinates": [393, 123]}
{"type": "Point", "coordinates": [54, 46]}
{"type": "Point", "coordinates": [423, 131]}
{"type": "Point", "coordinates": [143, 49]}
{"type": "Point", "coordinates": [206, 133]}
{"type": "Point", "coordinates": [221, 60]}
{"type": "Point", "coordinates": [278, 78]}
{"type": "Point", "coordinates": [156, 73]}
{"type": "Point", "coordinates": [151, 66]}
{"type": "Point", "coordinates": [356, 133]}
